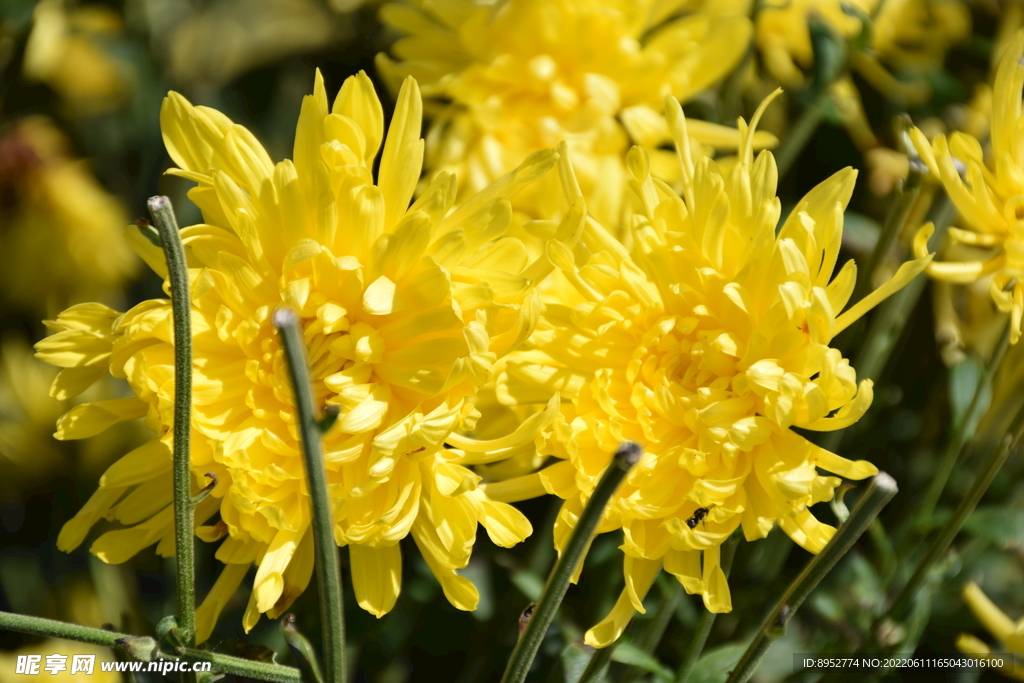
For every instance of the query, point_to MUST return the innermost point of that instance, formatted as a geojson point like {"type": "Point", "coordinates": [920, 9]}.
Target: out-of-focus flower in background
{"type": "Point", "coordinates": [990, 202]}
{"type": "Point", "coordinates": [68, 49]}
{"type": "Point", "coordinates": [58, 225]}
{"type": "Point", "coordinates": [908, 37]}
{"type": "Point", "coordinates": [212, 46]}
{"type": "Point", "coordinates": [405, 310]}
{"type": "Point", "coordinates": [1009, 634]}
{"type": "Point", "coordinates": [504, 79]}
{"type": "Point", "coordinates": [706, 342]}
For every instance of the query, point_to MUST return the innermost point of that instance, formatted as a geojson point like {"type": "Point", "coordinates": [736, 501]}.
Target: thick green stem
{"type": "Point", "coordinates": [245, 668]}
{"type": "Point", "coordinates": [328, 575]}
{"type": "Point", "coordinates": [707, 620]}
{"type": "Point", "coordinates": [882, 489]}
{"type": "Point", "coordinates": [941, 541]}
{"type": "Point", "coordinates": [59, 629]}
{"type": "Point", "coordinates": [558, 580]}
{"type": "Point", "coordinates": [146, 647]}
{"type": "Point", "coordinates": [962, 433]}
{"type": "Point", "coordinates": [184, 517]}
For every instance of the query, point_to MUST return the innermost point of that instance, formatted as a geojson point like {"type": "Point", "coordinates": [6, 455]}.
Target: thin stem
{"type": "Point", "coordinates": [962, 432]}
{"type": "Point", "coordinates": [558, 580]}
{"type": "Point", "coordinates": [801, 132]}
{"type": "Point", "coordinates": [659, 624]}
{"type": "Point", "coordinates": [598, 665]}
{"type": "Point", "coordinates": [275, 673]}
{"type": "Point", "coordinates": [882, 489]}
{"type": "Point", "coordinates": [941, 542]}
{"type": "Point", "coordinates": [184, 517]}
{"type": "Point", "coordinates": [892, 228]}
{"type": "Point", "coordinates": [707, 620]}
{"type": "Point", "coordinates": [328, 576]}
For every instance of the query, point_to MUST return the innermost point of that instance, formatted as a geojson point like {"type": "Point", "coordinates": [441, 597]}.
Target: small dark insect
{"type": "Point", "coordinates": [524, 618]}
{"type": "Point", "coordinates": [698, 516]}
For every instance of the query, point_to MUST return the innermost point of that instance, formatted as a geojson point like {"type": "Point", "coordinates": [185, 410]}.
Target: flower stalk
{"type": "Point", "coordinates": [561, 575]}
{"type": "Point", "coordinates": [942, 540]}
{"type": "Point", "coordinates": [878, 494]}
{"type": "Point", "coordinates": [136, 645]}
{"type": "Point", "coordinates": [707, 620]}
{"type": "Point", "coordinates": [328, 575]}
{"type": "Point", "coordinates": [184, 517]}
{"type": "Point", "coordinates": [963, 431]}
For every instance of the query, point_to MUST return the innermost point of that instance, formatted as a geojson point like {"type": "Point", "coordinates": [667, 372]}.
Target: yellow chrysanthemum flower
{"type": "Point", "coordinates": [506, 79]}
{"type": "Point", "coordinates": [405, 310]}
{"type": "Point", "coordinates": [67, 51]}
{"type": "Point", "coordinates": [58, 225]}
{"type": "Point", "coordinates": [1002, 628]}
{"type": "Point", "coordinates": [990, 201]}
{"type": "Point", "coordinates": [911, 37]}
{"type": "Point", "coordinates": [706, 342]}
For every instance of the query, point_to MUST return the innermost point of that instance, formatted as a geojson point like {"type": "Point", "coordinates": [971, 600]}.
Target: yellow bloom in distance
{"type": "Point", "coordinates": [60, 230]}
{"type": "Point", "coordinates": [1009, 633]}
{"type": "Point", "coordinates": [705, 343]}
{"type": "Point", "coordinates": [989, 197]}
{"type": "Point", "coordinates": [405, 309]}
{"type": "Point", "coordinates": [504, 80]}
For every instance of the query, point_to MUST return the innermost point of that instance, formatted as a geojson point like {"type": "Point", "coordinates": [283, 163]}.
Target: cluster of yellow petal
{"type": "Point", "coordinates": [507, 79]}
{"type": "Point", "coordinates": [910, 36]}
{"type": "Point", "coordinates": [405, 311]}
{"type": "Point", "coordinates": [988, 197]}
{"type": "Point", "coordinates": [1004, 629]}
{"type": "Point", "coordinates": [706, 341]}
{"type": "Point", "coordinates": [58, 225]}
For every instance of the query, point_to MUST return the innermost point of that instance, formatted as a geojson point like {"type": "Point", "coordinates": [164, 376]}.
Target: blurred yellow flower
{"type": "Point", "coordinates": [507, 78]}
{"type": "Point", "coordinates": [911, 37]}
{"type": "Point", "coordinates": [405, 309]}
{"type": "Point", "coordinates": [65, 649]}
{"type": "Point", "coordinates": [66, 51]}
{"type": "Point", "coordinates": [1009, 634]}
{"type": "Point", "coordinates": [991, 201]}
{"type": "Point", "coordinates": [58, 225]}
{"type": "Point", "coordinates": [705, 342]}
{"type": "Point", "coordinates": [213, 46]}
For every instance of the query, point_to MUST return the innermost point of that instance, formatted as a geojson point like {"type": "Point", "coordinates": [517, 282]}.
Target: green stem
{"type": "Point", "coordinates": [246, 668]}
{"type": "Point", "coordinates": [558, 580]}
{"type": "Point", "coordinates": [598, 665]}
{"type": "Point", "coordinates": [659, 624]}
{"type": "Point", "coordinates": [59, 629]}
{"type": "Point", "coordinates": [941, 542]}
{"type": "Point", "coordinates": [707, 620]}
{"type": "Point", "coordinates": [882, 489]}
{"type": "Point", "coordinates": [184, 516]}
{"type": "Point", "coordinates": [801, 132]}
{"type": "Point", "coordinates": [275, 673]}
{"type": "Point", "coordinates": [892, 228]}
{"type": "Point", "coordinates": [962, 433]}
{"type": "Point", "coordinates": [328, 576]}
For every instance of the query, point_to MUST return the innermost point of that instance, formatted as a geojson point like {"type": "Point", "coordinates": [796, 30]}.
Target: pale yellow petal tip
{"type": "Point", "coordinates": [971, 645]}
{"type": "Point", "coordinates": [921, 237]}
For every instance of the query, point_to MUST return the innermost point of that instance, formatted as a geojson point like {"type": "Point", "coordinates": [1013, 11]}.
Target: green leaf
{"type": "Point", "coordinates": [528, 583]}
{"type": "Point", "coordinates": [714, 665]}
{"type": "Point", "coordinates": [628, 653]}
